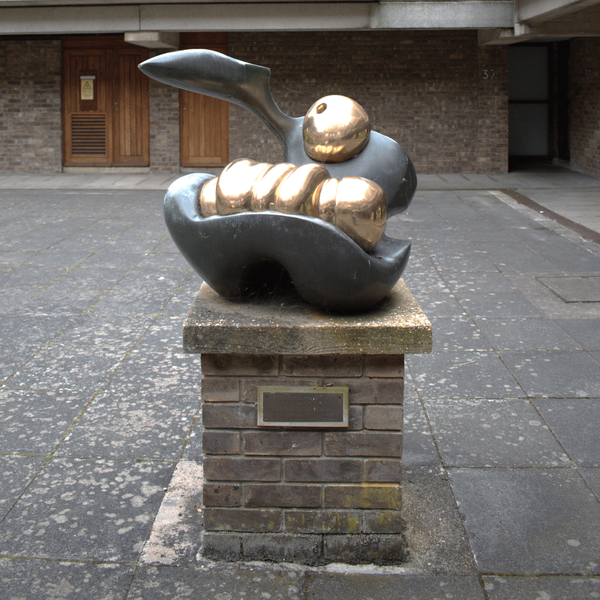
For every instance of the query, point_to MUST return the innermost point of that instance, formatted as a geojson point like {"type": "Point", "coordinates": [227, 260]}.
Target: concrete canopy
{"type": "Point", "coordinates": [42, 17]}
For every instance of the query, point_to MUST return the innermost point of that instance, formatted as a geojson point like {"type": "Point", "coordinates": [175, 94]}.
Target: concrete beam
{"type": "Point", "coordinates": [324, 16]}
{"type": "Point", "coordinates": [496, 37]}
{"type": "Point", "coordinates": [583, 24]}
{"type": "Point", "coordinates": [256, 17]}
{"type": "Point", "coordinates": [443, 15]}
{"type": "Point", "coordinates": [543, 10]}
{"type": "Point", "coordinates": [266, 16]}
{"type": "Point", "coordinates": [68, 19]}
{"type": "Point", "coordinates": [153, 39]}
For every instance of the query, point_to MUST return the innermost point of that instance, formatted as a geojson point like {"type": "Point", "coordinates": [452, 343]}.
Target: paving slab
{"type": "Point", "coordinates": [480, 262]}
{"type": "Point", "coordinates": [16, 473]}
{"type": "Point", "coordinates": [370, 587]}
{"type": "Point", "coordinates": [515, 257]}
{"type": "Point", "coordinates": [525, 333]}
{"type": "Point", "coordinates": [158, 371]}
{"type": "Point", "coordinates": [436, 537]}
{"type": "Point", "coordinates": [34, 329]}
{"type": "Point", "coordinates": [439, 304]}
{"type": "Point", "coordinates": [497, 304]}
{"type": "Point", "coordinates": [574, 289]}
{"type": "Point", "coordinates": [555, 374]}
{"type": "Point", "coordinates": [492, 433]}
{"type": "Point", "coordinates": [217, 581]}
{"type": "Point", "coordinates": [492, 282]}
{"type": "Point", "coordinates": [463, 375]}
{"type": "Point", "coordinates": [59, 300]}
{"type": "Point", "coordinates": [576, 425]}
{"type": "Point", "coordinates": [548, 302]}
{"type": "Point", "coordinates": [13, 356]}
{"type": "Point", "coordinates": [104, 332]}
{"type": "Point", "coordinates": [529, 521]}
{"type": "Point", "coordinates": [538, 588]}
{"type": "Point", "coordinates": [418, 447]}
{"type": "Point", "coordinates": [35, 421]}
{"type": "Point", "coordinates": [83, 278]}
{"type": "Point", "coordinates": [63, 580]}
{"type": "Point", "coordinates": [127, 301]}
{"type": "Point", "coordinates": [129, 424]}
{"type": "Point", "coordinates": [86, 510]}
{"type": "Point", "coordinates": [67, 367]}
{"type": "Point", "coordinates": [592, 478]}
{"type": "Point", "coordinates": [586, 332]}
{"type": "Point", "coordinates": [458, 333]}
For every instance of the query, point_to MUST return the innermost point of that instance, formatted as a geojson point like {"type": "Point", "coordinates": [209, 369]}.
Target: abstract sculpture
{"type": "Point", "coordinates": [321, 227]}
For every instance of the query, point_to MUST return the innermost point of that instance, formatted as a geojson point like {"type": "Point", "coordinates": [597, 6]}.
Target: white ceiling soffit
{"type": "Point", "coordinates": [549, 26]}
{"type": "Point", "coordinates": [531, 11]}
{"type": "Point", "coordinates": [245, 16]}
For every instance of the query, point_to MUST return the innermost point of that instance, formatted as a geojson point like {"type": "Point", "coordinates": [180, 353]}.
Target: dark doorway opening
{"type": "Point", "coordinates": [538, 89]}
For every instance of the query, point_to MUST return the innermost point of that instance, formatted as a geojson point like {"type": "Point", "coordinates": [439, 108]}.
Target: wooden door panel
{"type": "Point", "coordinates": [204, 121]}
{"type": "Point", "coordinates": [86, 123]}
{"type": "Point", "coordinates": [110, 127]}
{"type": "Point", "coordinates": [130, 110]}
{"type": "Point", "coordinates": [204, 130]}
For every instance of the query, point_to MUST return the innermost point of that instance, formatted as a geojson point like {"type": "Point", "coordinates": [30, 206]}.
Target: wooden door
{"type": "Point", "coordinates": [131, 131]}
{"type": "Point", "coordinates": [204, 130]}
{"type": "Point", "coordinates": [105, 104]}
{"type": "Point", "coordinates": [204, 121]}
{"type": "Point", "coordinates": [86, 108]}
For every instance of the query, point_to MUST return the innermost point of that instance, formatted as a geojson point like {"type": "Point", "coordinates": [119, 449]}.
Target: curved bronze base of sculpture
{"type": "Point", "coordinates": [243, 254]}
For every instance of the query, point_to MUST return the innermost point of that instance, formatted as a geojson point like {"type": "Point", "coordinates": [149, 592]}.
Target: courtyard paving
{"type": "Point", "coordinates": [99, 408]}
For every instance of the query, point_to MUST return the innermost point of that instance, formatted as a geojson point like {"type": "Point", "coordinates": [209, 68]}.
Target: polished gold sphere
{"type": "Point", "coordinates": [335, 129]}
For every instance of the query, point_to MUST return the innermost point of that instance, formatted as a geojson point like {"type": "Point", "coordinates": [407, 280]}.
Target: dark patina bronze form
{"type": "Point", "coordinates": [238, 254]}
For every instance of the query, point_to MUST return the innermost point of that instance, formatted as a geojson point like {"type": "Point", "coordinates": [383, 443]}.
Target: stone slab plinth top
{"type": "Point", "coordinates": [216, 325]}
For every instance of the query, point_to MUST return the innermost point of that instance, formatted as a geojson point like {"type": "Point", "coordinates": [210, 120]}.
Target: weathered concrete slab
{"type": "Point", "coordinates": [523, 521]}
{"type": "Point", "coordinates": [397, 325]}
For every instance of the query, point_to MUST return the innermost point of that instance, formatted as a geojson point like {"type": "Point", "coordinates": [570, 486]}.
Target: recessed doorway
{"type": "Point", "coordinates": [105, 103]}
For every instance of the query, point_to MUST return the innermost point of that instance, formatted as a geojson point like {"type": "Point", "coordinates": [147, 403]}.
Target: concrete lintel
{"type": "Point", "coordinates": [542, 10]}
{"type": "Point", "coordinates": [43, 20]}
{"type": "Point", "coordinates": [576, 26]}
{"type": "Point", "coordinates": [257, 17]}
{"type": "Point", "coordinates": [496, 37]}
{"type": "Point", "coordinates": [330, 16]}
{"type": "Point", "coordinates": [153, 39]}
{"type": "Point", "coordinates": [159, 19]}
{"type": "Point", "coordinates": [443, 15]}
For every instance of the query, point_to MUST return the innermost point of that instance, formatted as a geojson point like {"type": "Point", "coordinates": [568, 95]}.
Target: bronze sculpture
{"type": "Point", "coordinates": [322, 226]}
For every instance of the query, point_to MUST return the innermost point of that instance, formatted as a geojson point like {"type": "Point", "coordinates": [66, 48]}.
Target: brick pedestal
{"type": "Point", "coordinates": [309, 495]}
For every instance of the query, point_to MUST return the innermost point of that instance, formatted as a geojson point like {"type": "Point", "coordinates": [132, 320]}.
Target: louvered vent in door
{"type": "Point", "coordinates": [88, 134]}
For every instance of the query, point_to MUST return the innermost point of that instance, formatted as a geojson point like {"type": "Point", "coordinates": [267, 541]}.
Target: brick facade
{"type": "Point", "coordinates": [30, 106]}
{"type": "Point", "coordinates": [164, 127]}
{"type": "Point", "coordinates": [423, 89]}
{"type": "Point", "coordinates": [273, 493]}
{"type": "Point", "coordinates": [585, 105]}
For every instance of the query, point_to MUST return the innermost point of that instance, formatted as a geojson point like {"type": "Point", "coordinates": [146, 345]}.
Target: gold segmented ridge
{"type": "Point", "coordinates": [355, 205]}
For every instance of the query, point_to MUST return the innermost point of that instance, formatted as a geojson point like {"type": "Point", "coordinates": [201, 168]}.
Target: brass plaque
{"type": "Point", "coordinates": [281, 406]}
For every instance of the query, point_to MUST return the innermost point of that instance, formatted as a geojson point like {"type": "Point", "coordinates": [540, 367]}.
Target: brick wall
{"type": "Point", "coordinates": [492, 118]}
{"type": "Point", "coordinates": [423, 89]}
{"type": "Point", "coordinates": [164, 127]}
{"type": "Point", "coordinates": [30, 106]}
{"type": "Point", "coordinates": [272, 493]}
{"type": "Point", "coordinates": [585, 105]}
